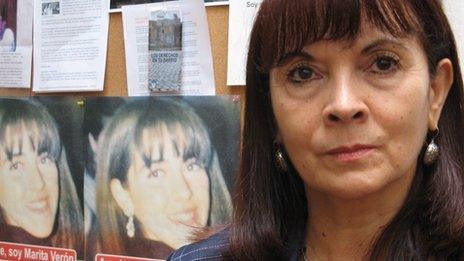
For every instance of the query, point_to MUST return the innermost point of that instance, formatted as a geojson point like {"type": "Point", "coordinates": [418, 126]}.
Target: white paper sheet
{"type": "Point", "coordinates": [207, 3]}
{"type": "Point", "coordinates": [70, 44]}
{"type": "Point", "coordinates": [16, 47]}
{"type": "Point", "coordinates": [197, 67]}
{"type": "Point", "coordinates": [454, 9]}
{"type": "Point", "coordinates": [241, 17]}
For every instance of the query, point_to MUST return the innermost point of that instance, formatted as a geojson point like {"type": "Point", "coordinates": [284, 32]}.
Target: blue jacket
{"type": "Point", "coordinates": [214, 248]}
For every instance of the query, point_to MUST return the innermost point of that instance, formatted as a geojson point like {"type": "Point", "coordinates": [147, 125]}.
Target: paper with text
{"type": "Point", "coordinates": [70, 44]}
{"type": "Point", "coordinates": [241, 17]}
{"type": "Point", "coordinates": [197, 61]}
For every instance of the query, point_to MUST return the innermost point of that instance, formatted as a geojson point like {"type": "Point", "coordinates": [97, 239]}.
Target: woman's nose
{"type": "Point", "coordinates": [36, 181]}
{"type": "Point", "coordinates": [346, 102]}
{"type": "Point", "coordinates": [181, 188]}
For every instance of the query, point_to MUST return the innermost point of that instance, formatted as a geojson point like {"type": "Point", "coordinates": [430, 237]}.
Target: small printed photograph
{"type": "Point", "coordinates": [165, 31]}
{"type": "Point", "coordinates": [40, 172]}
{"type": "Point", "coordinates": [161, 169]}
{"type": "Point", "coordinates": [8, 24]}
{"type": "Point", "coordinates": [51, 8]}
{"type": "Point", "coordinates": [116, 4]}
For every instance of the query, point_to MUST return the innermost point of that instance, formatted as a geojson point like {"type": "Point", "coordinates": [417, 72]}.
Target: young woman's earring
{"type": "Point", "coordinates": [130, 228]}
{"type": "Point", "coordinates": [279, 158]}
{"type": "Point", "coordinates": [432, 151]}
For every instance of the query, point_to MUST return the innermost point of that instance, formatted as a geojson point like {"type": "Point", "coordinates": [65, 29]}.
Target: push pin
{"type": "Point", "coordinates": [236, 98]}
{"type": "Point", "coordinates": [81, 103]}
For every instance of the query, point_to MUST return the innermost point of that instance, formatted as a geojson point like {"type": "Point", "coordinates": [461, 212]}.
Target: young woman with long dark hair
{"type": "Point", "coordinates": [39, 204]}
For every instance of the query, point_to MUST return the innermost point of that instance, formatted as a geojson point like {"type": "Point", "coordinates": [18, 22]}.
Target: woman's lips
{"type": "Point", "coordinates": [38, 206]}
{"type": "Point", "coordinates": [351, 153]}
{"type": "Point", "coordinates": [187, 217]}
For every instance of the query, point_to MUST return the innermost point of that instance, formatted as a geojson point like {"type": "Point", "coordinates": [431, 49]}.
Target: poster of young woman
{"type": "Point", "coordinates": [162, 169]}
{"type": "Point", "coordinates": [40, 181]}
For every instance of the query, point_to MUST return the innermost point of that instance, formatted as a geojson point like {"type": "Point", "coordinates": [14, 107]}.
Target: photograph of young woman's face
{"type": "Point", "coordinates": [168, 187]}
{"type": "Point", "coordinates": [28, 183]}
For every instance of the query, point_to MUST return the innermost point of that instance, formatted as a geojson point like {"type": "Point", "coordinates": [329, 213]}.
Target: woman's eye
{"type": "Point", "coordinates": [301, 74]}
{"type": "Point", "coordinates": [155, 173]}
{"type": "Point", "coordinates": [193, 165]}
{"type": "Point", "coordinates": [384, 64]}
{"type": "Point", "coordinates": [16, 165]}
{"type": "Point", "coordinates": [45, 159]}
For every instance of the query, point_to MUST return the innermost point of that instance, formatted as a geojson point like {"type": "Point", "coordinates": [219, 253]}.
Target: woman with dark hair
{"type": "Point", "coordinates": [353, 142]}
{"type": "Point", "coordinates": [158, 179]}
{"type": "Point", "coordinates": [38, 199]}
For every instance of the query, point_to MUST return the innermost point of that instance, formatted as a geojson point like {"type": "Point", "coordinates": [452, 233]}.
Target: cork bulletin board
{"type": "Point", "coordinates": [115, 75]}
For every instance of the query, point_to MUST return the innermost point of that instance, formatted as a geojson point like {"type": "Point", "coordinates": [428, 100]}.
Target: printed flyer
{"type": "Point", "coordinates": [197, 74]}
{"type": "Point", "coordinates": [70, 45]}
{"type": "Point", "coordinates": [241, 17]}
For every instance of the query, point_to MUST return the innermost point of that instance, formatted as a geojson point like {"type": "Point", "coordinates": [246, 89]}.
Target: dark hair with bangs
{"type": "Point", "coordinates": [122, 136]}
{"type": "Point", "coordinates": [18, 115]}
{"type": "Point", "coordinates": [38, 125]}
{"type": "Point", "coordinates": [270, 210]}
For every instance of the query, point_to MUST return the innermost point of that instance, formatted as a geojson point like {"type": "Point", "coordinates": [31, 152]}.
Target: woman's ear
{"type": "Point", "coordinates": [122, 197]}
{"type": "Point", "coordinates": [440, 86]}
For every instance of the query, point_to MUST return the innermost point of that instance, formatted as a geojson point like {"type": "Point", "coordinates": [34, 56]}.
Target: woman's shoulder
{"type": "Point", "coordinates": [214, 247]}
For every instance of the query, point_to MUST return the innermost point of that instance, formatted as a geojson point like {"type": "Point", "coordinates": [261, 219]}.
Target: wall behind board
{"type": "Point", "coordinates": [115, 75]}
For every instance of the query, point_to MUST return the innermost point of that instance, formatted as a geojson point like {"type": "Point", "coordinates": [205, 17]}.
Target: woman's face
{"type": "Point", "coordinates": [170, 195]}
{"type": "Point", "coordinates": [28, 187]}
{"type": "Point", "coordinates": [353, 116]}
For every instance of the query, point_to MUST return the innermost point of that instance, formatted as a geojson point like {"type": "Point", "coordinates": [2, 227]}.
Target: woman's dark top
{"type": "Point", "coordinates": [140, 247]}
{"type": "Point", "coordinates": [215, 248]}
{"type": "Point", "coordinates": [19, 235]}
{"type": "Point", "coordinates": [135, 247]}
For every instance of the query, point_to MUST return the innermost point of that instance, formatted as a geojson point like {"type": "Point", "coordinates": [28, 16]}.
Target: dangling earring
{"type": "Point", "coordinates": [130, 227]}
{"type": "Point", "coordinates": [279, 158]}
{"type": "Point", "coordinates": [431, 153]}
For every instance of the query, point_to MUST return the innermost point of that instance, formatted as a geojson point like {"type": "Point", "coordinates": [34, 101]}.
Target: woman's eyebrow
{"type": "Point", "coordinates": [12, 155]}
{"type": "Point", "coordinates": [383, 42]}
{"type": "Point", "coordinates": [147, 160]}
{"type": "Point", "coordinates": [301, 54]}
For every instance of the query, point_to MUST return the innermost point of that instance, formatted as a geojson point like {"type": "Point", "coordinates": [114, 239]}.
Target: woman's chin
{"type": "Point", "coordinates": [353, 186]}
{"type": "Point", "coordinates": [40, 233]}
{"type": "Point", "coordinates": [354, 193]}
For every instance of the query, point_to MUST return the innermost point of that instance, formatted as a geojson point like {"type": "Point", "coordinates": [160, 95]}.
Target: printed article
{"type": "Point", "coordinates": [15, 43]}
{"type": "Point", "coordinates": [70, 43]}
{"type": "Point", "coordinates": [197, 62]}
{"type": "Point", "coordinates": [241, 17]}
